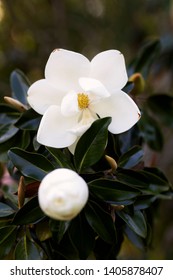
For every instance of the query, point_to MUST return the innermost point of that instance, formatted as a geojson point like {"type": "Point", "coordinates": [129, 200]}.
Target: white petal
{"type": "Point", "coordinates": [109, 68]}
{"type": "Point", "coordinates": [122, 109]}
{"type": "Point", "coordinates": [73, 146]}
{"type": "Point", "coordinates": [65, 67]}
{"type": "Point", "coordinates": [42, 94]}
{"type": "Point", "coordinates": [94, 86]}
{"type": "Point", "coordinates": [86, 119]}
{"type": "Point", "coordinates": [54, 129]}
{"type": "Point", "coordinates": [69, 105]}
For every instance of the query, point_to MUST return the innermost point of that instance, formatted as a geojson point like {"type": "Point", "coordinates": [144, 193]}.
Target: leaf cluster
{"type": "Point", "coordinates": [122, 191]}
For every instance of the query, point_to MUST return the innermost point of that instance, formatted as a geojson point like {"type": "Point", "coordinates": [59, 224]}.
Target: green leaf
{"type": "Point", "coordinates": [144, 202]}
{"type": "Point", "coordinates": [25, 139]}
{"type": "Point", "coordinates": [101, 222]}
{"type": "Point", "coordinates": [151, 132]}
{"type": "Point", "coordinates": [26, 250]}
{"type": "Point", "coordinates": [131, 158]}
{"type": "Point", "coordinates": [5, 210]}
{"type": "Point", "coordinates": [112, 190]}
{"type": "Point", "coordinates": [5, 232]}
{"type": "Point", "coordinates": [29, 120]}
{"type": "Point", "coordinates": [29, 213]}
{"type": "Point", "coordinates": [59, 228]}
{"type": "Point", "coordinates": [147, 182]}
{"type": "Point", "coordinates": [60, 157]}
{"type": "Point", "coordinates": [132, 178]}
{"type": "Point", "coordinates": [21, 139]}
{"type": "Point", "coordinates": [136, 222]}
{"type": "Point", "coordinates": [83, 238]}
{"type": "Point", "coordinates": [32, 165]}
{"type": "Point", "coordinates": [7, 131]}
{"type": "Point", "coordinates": [91, 145]}
{"type": "Point", "coordinates": [42, 230]}
{"type": "Point", "coordinates": [66, 249]}
{"type": "Point", "coordinates": [157, 173]}
{"type": "Point", "coordinates": [8, 114]}
{"type": "Point", "coordinates": [19, 84]}
{"type": "Point", "coordinates": [135, 239]}
{"type": "Point", "coordinates": [8, 242]}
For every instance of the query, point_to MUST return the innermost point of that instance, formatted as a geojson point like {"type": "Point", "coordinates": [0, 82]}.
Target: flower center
{"type": "Point", "coordinates": [83, 101]}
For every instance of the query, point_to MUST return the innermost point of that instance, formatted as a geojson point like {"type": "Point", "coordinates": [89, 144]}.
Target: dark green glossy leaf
{"type": "Point", "coordinates": [154, 176]}
{"type": "Point", "coordinates": [112, 190]}
{"type": "Point", "coordinates": [91, 145]}
{"type": "Point", "coordinates": [5, 210]}
{"type": "Point", "coordinates": [83, 238]}
{"type": "Point", "coordinates": [8, 114]}
{"type": "Point", "coordinates": [29, 213]}
{"type": "Point", "coordinates": [136, 222]}
{"type": "Point", "coordinates": [31, 165]}
{"type": "Point", "coordinates": [101, 222]}
{"type": "Point", "coordinates": [157, 172]}
{"type": "Point", "coordinates": [25, 139]}
{"type": "Point", "coordinates": [42, 230]}
{"type": "Point", "coordinates": [151, 132]}
{"type": "Point", "coordinates": [66, 248]}
{"type": "Point", "coordinates": [19, 85]}
{"type": "Point", "coordinates": [134, 238]}
{"type": "Point", "coordinates": [144, 202]}
{"type": "Point", "coordinates": [59, 228]}
{"type": "Point", "coordinates": [26, 250]}
{"type": "Point", "coordinates": [21, 139]}
{"type": "Point", "coordinates": [162, 107]}
{"type": "Point", "coordinates": [7, 131]}
{"type": "Point", "coordinates": [132, 178]}
{"type": "Point", "coordinates": [29, 120]}
{"type": "Point", "coordinates": [131, 158]}
{"type": "Point", "coordinates": [60, 157]}
{"type": "Point", "coordinates": [147, 182]}
{"type": "Point", "coordinates": [8, 243]}
{"type": "Point", "coordinates": [5, 232]}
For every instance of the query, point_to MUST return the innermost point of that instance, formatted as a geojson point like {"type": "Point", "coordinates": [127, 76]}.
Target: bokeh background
{"type": "Point", "coordinates": [30, 30]}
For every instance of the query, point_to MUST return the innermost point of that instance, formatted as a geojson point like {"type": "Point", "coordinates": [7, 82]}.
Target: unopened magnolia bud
{"type": "Point", "coordinates": [139, 83]}
{"type": "Point", "coordinates": [21, 192]}
{"type": "Point", "coordinates": [62, 194]}
{"type": "Point", "coordinates": [111, 162]}
{"type": "Point", "coordinates": [15, 103]}
{"type": "Point", "coordinates": [117, 207]}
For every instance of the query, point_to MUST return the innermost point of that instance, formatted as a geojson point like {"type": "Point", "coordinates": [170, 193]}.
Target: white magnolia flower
{"type": "Point", "coordinates": [76, 91]}
{"type": "Point", "coordinates": [62, 194]}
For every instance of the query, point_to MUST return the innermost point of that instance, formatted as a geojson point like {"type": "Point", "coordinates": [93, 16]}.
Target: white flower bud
{"type": "Point", "coordinates": [62, 194]}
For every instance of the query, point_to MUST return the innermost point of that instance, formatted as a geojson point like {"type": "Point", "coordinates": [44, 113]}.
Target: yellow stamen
{"type": "Point", "coordinates": [83, 101]}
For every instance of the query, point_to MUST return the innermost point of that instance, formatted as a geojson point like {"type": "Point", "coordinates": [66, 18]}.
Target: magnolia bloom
{"type": "Point", "coordinates": [76, 92]}
{"type": "Point", "coordinates": [62, 194]}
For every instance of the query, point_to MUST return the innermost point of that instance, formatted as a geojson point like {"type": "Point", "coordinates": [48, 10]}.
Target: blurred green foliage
{"type": "Point", "coordinates": [30, 30]}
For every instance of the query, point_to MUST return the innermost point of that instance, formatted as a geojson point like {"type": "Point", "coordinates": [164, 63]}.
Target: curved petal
{"type": "Point", "coordinates": [109, 68]}
{"type": "Point", "coordinates": [69, 104]}
{"type": "Point", "coordinates": [73, 146]}
{"type": "Point", "coordinates": [65, 67]}
{"type": "Point", "coordinates": [94, 86]}
{"type": "Point", "coordinates": [122, 109]}
{"type": "Point", "coordinates": [54, 129]}
{"type": "Point", "coordinates": [84, 122]}
{"type": "Point", "coordinates": [42, 94]}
